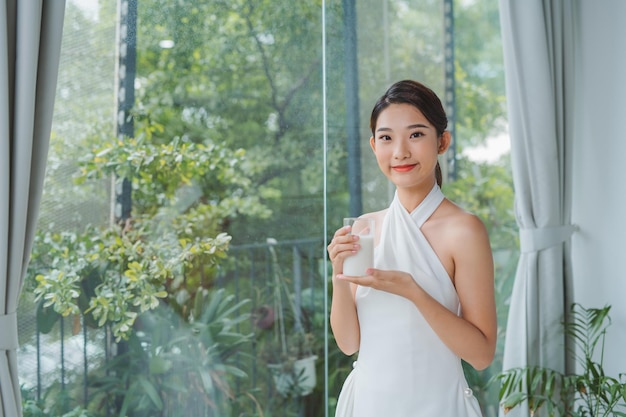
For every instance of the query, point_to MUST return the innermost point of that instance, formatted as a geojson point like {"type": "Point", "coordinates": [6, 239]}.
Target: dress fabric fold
{"type": "Point", "coordinates": [404, 369]}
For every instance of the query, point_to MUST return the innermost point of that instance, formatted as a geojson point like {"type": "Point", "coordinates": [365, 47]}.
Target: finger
{"type": "Point", "coordinates": [344, 243]}
{"type": "Point", "coordinates": [341, 236]}
{"type": "Point", "coordinates": [349, 278]}
{"type": "Point", "coordinates": [374, 278]}
{"type": "Point", "coordinates": [342, 231]}
{"type": "Point", "coordinates": [346, 249]}
{"type": "Point", "coordinates": [338, 258]}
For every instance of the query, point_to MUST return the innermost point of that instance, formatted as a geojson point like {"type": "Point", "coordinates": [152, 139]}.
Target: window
{"type": "Point", "coordinates": [181, 240]}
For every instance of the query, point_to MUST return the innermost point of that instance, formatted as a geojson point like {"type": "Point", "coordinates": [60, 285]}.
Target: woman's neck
{"type": "Point", "coordinates": [411, 197]}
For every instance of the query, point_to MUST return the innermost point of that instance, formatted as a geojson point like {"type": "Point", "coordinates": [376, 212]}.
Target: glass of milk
{"type": "Point", "coordinates": [356, 265]}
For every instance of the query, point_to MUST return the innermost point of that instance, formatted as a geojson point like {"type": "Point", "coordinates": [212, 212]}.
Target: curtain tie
{"type": "Point", "coordinates": [534, 240]}
{"type": "Point", "coordinates": [8, 331]}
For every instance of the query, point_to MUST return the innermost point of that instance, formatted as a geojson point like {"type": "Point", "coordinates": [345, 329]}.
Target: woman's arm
{"type": "Point", "coordinates": [343, 316]}
{"type": "Point", "coordinates": [474, 283]}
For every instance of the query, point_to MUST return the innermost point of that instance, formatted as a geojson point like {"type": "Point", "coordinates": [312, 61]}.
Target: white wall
{"type": "Point", "coordinates": [599, 169]}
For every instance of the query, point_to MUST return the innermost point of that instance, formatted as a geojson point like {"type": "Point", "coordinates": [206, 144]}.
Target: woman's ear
{"type": "Point", "coordinates": [373, 143]}
{"type": "Point", "coordinates": [444, 141]}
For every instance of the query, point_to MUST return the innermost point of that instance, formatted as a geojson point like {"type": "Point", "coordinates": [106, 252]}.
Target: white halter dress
{"type": "Point", "coordinates": [404, 369]}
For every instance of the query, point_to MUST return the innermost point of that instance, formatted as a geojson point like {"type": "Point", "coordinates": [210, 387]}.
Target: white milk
{"type": "Point", "coordinates": [355, 265]}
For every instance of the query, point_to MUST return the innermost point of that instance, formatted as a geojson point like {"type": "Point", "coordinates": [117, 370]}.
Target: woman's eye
{"type": "Point", "coordinates": [384, 137]}
{"type": "Point", "coordinates": [416, 134]}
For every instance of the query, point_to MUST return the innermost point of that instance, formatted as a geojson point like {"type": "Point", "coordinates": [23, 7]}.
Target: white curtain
{"type": "Point", "coordinates": [30, 43]}
{"type": "Point", "coordinates": [538, 41]}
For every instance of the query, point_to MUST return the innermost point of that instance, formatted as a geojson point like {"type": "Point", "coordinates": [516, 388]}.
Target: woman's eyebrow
{"type": "Point", "coordinates": [415, 126]}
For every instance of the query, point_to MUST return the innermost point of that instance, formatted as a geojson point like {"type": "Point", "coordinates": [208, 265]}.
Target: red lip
{"type": "Point", "coordinates": [403, 168]}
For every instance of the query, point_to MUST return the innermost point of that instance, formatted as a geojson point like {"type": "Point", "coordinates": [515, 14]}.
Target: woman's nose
{"type": "Point", "coordinates": [401, 151]}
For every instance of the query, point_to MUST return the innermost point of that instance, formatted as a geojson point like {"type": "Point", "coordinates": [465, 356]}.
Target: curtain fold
{"type": "Point", "coordinates": [30, 43]}
{"type": "Point", "coordinates": [538, 39]}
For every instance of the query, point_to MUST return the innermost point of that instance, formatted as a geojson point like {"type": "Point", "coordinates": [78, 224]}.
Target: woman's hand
{"type": "Point", "coordinates": [343, 245]}
{"type": "Point", "coordinates": [394, 282]}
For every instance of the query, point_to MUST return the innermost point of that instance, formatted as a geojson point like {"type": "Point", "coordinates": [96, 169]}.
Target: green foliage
{"type": "Point", "coordinates": [589, 393]}
{"type": "Point", "coordinates": [33, 409]}
{"type": "Point", "coordinates": [294, 344]}
{"type": "Point", "coordinates": [184, 194]}
{"type": "Point", "coordinates": [60, 406]}
{"type": "Point", "coordinates": [83, 109]}
{"type": "Point", "coordinates": [285, 332]}
{"type": "Point", "coordinates": [486, 189]}
{"type": "Point", "coordinates": [179, 366]}
{"type": "Point", "coordinates": [206, 181]}
{"type": "Point", "coordinates": [115, 276]}
{"type": "Point", "coordinates": [479, 72]}
{"type": "Point", "coordinates": [248, 72]}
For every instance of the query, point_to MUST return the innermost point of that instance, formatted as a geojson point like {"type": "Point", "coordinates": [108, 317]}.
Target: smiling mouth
{"type": "Point", "coordinates": [403, 168]}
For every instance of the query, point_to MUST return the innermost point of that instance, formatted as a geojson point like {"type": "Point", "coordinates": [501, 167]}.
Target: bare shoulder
{"type": "Point", "coordinates": [459, 226]}
{"type": "Point", "coordinates": [468, 240]}
{"type": "Point", "coordinates": [459, 238]}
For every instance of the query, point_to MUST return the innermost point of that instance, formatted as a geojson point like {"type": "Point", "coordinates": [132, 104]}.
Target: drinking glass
{"type": "Point", "coordinates": [357, 264]}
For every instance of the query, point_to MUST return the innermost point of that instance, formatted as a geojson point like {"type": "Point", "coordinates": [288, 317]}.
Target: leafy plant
{"type": "Point", "coordinates": [286, 341]}
{"type": "Point", "coordinates": [591, 393]}
{"type": "Point", "coordinates": [288, 344]}
{"type": "Point", "coordinates": [33, 409]}
{"type": "Point", "coordinates": [111, 275]}
{"type": "Point", "coordinates": [179, 366]}
{"type": "Point", "coordinates": [60, 407]}
{"type": "Point", "coordinates": [184, 194]}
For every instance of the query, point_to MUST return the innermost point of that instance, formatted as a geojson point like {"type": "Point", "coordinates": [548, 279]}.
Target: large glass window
{"type": "Point", "coordinates": [202, 154]}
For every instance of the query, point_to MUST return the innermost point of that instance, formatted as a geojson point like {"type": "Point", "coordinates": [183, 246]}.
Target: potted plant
{"type": "Point", "coordinates": [294, 374]}
{"type": "Point", "coordinates": [590, 393]}
{"type": "Point", "coordinates": [290, 357]}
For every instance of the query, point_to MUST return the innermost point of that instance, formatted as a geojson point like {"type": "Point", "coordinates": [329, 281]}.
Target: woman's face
{"type": "Point", "coordinates": [406, 146]}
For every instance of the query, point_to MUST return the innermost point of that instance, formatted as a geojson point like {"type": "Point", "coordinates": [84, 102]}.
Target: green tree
{"type": "Point", "coordinates": [83, 108]}
{"type": "Point", "coordinates": [250, 72]}
{"type": "Point", "coordinates": [151, 280]}
{"type": "Point", "coordinates": [481, 110]}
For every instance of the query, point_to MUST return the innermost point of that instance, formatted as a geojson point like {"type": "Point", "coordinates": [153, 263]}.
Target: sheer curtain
{"type": "Point", "coordinates": [538, 38]}
{"type": "Point", "coordinates": [30, 44]}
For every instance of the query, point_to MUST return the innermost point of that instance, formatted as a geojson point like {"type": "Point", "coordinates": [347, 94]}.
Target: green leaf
{"type": "Point", "coordinates": [513, 400]}
{"type": "Point", "coordinates": [207, 381]}
{"type": "Point", "coordinates": [149, 388]}
{"type": "Point", "coordinates": [198, 303]}
{"type": "Point", "coordinates": [159, 365]}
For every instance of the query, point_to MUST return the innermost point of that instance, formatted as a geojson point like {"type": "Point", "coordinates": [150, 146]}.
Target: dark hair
{"type": "Point", "coordinates": [418, 95]}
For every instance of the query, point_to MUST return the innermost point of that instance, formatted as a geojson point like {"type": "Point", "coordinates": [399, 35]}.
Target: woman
{"type": "Point", "coordinates": [429, 300]}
